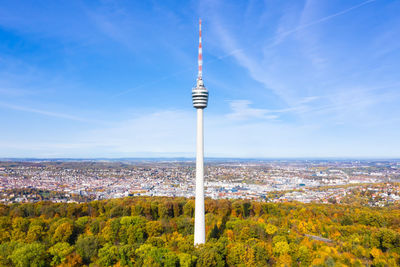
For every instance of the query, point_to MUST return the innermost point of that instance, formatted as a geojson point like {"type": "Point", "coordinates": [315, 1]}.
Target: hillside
{"type": "Point", "coordinates": [139, 231]}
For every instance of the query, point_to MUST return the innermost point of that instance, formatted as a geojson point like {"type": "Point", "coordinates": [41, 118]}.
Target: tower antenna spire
{"type": "Point", "coordinates": [200, 58]}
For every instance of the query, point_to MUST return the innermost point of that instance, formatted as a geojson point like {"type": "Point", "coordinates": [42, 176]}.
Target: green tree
{"type": "Point", "coordinates": [209, 256]}
{"type": "Point", "coordinates": [60, 251]}
{"type": "Point", "coordinates": [154, 228]}
{"type": "Point", "coordinates": [5, 228]}
{"type": "Point", "coordinates": [235, 252]}
{"type": "Point", "coordinates": [63, 233]}
{"type": "Point", "coordinates": [171, 259]}
{"type": "Point", "coordinates": [6, 249]}
{"type": "Point", "coordinates": [33, 255]}
{"type": "Point", "coordinates": [214, 232]}
{"type": "Point", "coordinates": [127, 255]}
{"type": "Point", "coordinates": [35, 233]}
{"type": "Point", "coordinates": [81, 223]}
{"type": "Point", "coordinates": [108, 255]}
{"type": "Point", "coordinates": [187, 260]}
{"type": "Point", "coordinates": [386, 239]}
{"type": "Point", "coordinates": [188, 208]}
{"type": "Point", "coordinates": [95, 226]}
{"type": "Point", "coordinates": [20, 228]}
{"type": "Point", "coordinates": [281, 247]}
{"type": "Point", "coordinates": [271, 229]}
{"type": "Point", "coordinates": [262, 253]}
{"type": "Point", "coordinates": [136, 234]}
{"type": "Point", "coordinates": [87, 247]}
{"type": "Point", "coordinates": [303, 256]}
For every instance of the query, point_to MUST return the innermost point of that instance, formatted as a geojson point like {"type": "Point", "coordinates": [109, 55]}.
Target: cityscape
{"type": "Point", "coordinates": [320, 181]}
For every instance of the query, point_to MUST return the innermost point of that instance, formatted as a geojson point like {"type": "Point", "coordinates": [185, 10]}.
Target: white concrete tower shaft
{"type": "Point", "coordinates": [200, 100]}
{"type": "Point", "coordinates": [199, 219]}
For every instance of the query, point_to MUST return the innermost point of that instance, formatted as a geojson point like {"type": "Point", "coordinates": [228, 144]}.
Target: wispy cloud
{"type": "Point", "coordinates": [326, 18]}
{"type": "Point", "coordinates": [271, 70]}
{"type": "Point", "coordinates": [44, 112]}
{"type": "Point", "coordinates": [241, 110]}
{"type": "Point", "coordinates": [113, 21]}
{"type": "Point", "coordinates": [281, 33]}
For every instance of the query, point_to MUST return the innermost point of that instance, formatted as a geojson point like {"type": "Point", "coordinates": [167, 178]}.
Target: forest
{"type": "Point", "coordinates": [158, 231]}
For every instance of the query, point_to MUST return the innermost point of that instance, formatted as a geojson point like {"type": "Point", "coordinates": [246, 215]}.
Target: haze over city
{"type": "Point", "coordinates": [286, 79]}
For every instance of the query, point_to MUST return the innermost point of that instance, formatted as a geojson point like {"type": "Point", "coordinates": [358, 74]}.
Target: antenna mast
{"type": "Point", "coordinates": [200, 59]}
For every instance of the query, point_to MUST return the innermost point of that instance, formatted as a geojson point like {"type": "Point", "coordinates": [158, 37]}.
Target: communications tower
{"type": "Point", "coordinates": [200, 99]}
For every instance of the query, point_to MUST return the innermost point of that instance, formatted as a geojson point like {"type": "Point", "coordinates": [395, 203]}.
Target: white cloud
{"type": "Point", "coordinates": [43, 112]}
{"type": "Point", "coordinates": [241, 110]}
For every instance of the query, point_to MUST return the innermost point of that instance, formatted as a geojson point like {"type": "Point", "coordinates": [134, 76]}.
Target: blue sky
{"type": "Point", "coordinates": [312, 78]}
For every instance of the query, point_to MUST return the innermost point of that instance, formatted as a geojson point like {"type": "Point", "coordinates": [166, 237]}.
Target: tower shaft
{"type": "Point", "coordinates": [199, 220]}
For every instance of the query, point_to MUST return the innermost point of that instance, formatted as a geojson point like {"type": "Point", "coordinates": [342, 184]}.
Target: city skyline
{"type": "Point", "coordinates": [295, 79]}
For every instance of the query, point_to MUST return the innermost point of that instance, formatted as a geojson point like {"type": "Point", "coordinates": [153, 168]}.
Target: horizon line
{"type": "Point", "coordinates": [190, 158]}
